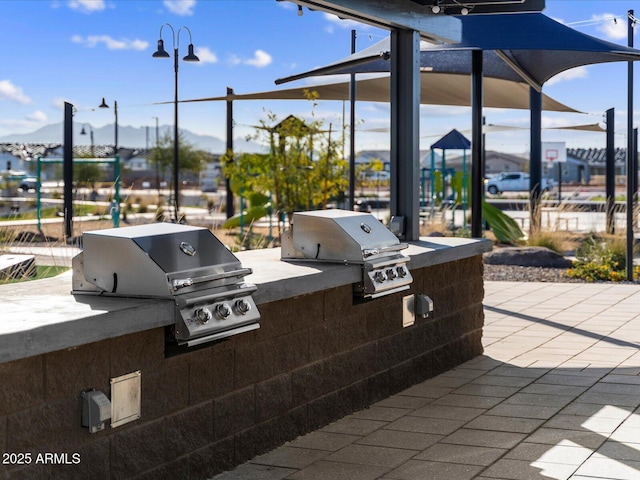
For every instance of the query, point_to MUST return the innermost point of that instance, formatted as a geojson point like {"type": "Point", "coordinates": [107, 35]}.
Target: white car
{"type": "Point", "coordinates": [513, 182]}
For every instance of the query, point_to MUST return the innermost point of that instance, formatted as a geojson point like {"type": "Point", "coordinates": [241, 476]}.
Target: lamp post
{"type": "Point", "coordinates": [115, 208]}
{"type": "Point", "coordinates": [84, 132]}
{"type": "Point", "coordinates": [190, 57]}
{"type": "Point", "coordinates": [115, 111]}
{"type": "Point", "coordinates": [157, 163]}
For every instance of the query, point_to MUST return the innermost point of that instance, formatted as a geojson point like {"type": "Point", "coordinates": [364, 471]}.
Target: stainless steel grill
{"type": "Point", "coordinates": [186, 264]}
{"type": "Point", "coordinates": [341, 236]}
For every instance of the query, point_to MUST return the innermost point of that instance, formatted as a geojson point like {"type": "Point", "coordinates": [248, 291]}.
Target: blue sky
{"type": "Point", "coordinates": [82, 50]}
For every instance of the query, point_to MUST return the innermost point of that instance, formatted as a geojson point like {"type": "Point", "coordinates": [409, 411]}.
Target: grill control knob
{"type": "Point", "coordinates": [379, 276]}
{"type": "Point", "coordinates": [223, 311]}
{"type": "Point", "coordinates": [391, 274]}
{"type": "Point", "coordinates": [402, 271]}
{"type": "Point", "coordinates": [202, 315]}
{"type": "Point", "coordinates": [242, 307]}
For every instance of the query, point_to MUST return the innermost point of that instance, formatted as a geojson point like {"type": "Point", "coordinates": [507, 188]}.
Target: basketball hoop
{"type": "Point", "coordinates": [550, 155]}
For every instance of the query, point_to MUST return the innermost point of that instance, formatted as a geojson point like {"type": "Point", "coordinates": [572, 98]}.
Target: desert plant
{"type": "Point", "coordinates": [553, 240]}
{"type": "Point", "coordinates": [250, 241]}
{"type": "Point", "coordinates": [505, 228]}
{"type": "Point", "coordinates": [601, 258]}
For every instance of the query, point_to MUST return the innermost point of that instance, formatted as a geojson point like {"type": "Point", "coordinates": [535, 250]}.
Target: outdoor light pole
{"type": "Point", "coordinates": [191, 57]}
{"type": "Point", "coordinates": [157, 163]}
{"type": "Point", "coordinates": [84, 132]}
{"type": "Point", "coordinates": [115, 111]}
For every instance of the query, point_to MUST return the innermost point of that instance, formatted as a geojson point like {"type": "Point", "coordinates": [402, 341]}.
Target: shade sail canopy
{"type": "Point", "coordinates": [590, 127]}
{"type": "Point", "coordinates": [453, 140]}
{"type": "Point", "coordinates": [526, 46]}
{"type": "Point", "coordinates": [436, 89]}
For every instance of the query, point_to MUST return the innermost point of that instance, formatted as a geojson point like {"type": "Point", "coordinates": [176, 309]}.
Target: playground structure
{"type": "Point", "coordinates": [457, 181]}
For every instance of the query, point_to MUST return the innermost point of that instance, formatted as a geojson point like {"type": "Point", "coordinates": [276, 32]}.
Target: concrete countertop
{"type": "Point", "coordinates": [43, 316]}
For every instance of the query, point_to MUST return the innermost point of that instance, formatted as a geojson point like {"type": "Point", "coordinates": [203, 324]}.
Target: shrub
{"type": "Point", "coordinates": [601, 259]}
{"type": "Point", "coordinates": [552, 240]}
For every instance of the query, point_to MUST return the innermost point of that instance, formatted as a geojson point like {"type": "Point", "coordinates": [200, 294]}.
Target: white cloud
{"type": "Point", "coordinates": [8, 91]}
{"type": "Point", "coordinates": [181, 7]}
{"type": "Point", "coordinates": [87, 6]}
{"type": "Point", "coordinates": [615, 30]}
{"type": "Point", "coordinates": [286, 5]}
{"type": "Point", "coordinates": [112, 44]}
{"type": "Point", "coordinates": [37, 116]}
{"type": "Point", "coordinates": [567, 75]}
{"type": "Point", "coordinates": [205, 55]}
{"type": "Point", "coordinates": [234, 60]}
{"type": "Point", "coordinates": [347, 24]}
{"type": "Point", "coordinates": [58, 102]}
{"type": "Point", "coordinates": [260, 59]}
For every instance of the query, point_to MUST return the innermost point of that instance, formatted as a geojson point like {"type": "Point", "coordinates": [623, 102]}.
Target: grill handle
{"type": "Point", "coordinates": [179, 283]}
{"type": "Point", "coordinates": [370, 252]}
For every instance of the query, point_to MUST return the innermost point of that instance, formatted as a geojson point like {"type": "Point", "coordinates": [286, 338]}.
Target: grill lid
{"type": "Point", "coordinates": [159, 260]}
{"type": "Point", "coordinates": [350, 237]}
{"type": "Point", "coordinates": [188, 265]}
{"type": "Point", "coordinates": [339, 236]}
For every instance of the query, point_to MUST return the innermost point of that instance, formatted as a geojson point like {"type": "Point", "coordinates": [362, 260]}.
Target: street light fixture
{"type": "Point", "coordinates": [190, 57]}
{"type": "Point", "coordinates": [84, 132]}
{"type": "Point", "coordinates": [115, 111]}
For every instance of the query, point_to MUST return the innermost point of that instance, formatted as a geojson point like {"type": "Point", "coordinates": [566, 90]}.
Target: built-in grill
{"type": "Point", "coordinates": [167, 261]}
{"type": "Point", "coordinates": [352, 238]}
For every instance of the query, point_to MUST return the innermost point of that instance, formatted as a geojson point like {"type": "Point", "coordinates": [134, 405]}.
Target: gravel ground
{"type": "Point", "coordinates": [511, 273]}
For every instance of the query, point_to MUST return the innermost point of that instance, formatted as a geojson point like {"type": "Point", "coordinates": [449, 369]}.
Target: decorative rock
{"type": "Point", "coordinates": [527, 257]}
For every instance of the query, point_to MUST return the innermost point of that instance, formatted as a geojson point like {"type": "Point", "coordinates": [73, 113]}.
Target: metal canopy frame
{"type": "Point", "coordinates": [542, 49]}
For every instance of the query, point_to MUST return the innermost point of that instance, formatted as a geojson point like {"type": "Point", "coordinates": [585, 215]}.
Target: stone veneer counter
{"type": "Point", "coordinates": [319, 354]}
{"type": "Point", "coordinates": [42, 316]}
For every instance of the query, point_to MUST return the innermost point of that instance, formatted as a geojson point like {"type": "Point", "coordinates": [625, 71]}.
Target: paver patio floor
{"type": "Point", "coordinates": [556, 395]}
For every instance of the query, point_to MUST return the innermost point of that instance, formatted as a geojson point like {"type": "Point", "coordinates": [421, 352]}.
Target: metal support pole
{"type": "Point", "coordinates": [116, 170]}
{"type": "Point", "coordinates": [610, 174]}
{"type": "Point", "coordinates": [230, 208]}
{"type": "Point", "coordinates": [157, 163]}
{"type": "Point", "coordinates": [352, 129]}
{"type": "Point", "coordinates": [444, 175]}
{"type": "Point", "coordinates": [477, 144]}
{"type": "Point", "coordinates": [115, 112]}
{"type": "Point", "coordinates": [535, 161]}
{"type": "Point", "coordinates": [39, 194]}
{"type": "Point", "coordinates": [405, 131]}
{"type": "Point", "coordinates": [630, 207]}
{"type": "Point", "coordinates": [68, 171]}
{"type": "Point", "coordinates": [559, 165]}
{"type": "Point", "coordinates": [176, 161]}
{"type": "Point", "coordinates": [631, 148]}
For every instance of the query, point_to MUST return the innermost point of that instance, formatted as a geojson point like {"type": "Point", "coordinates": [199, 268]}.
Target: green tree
{"type": "Point", "coordinates": [190, 160]}
{"type": "Point", "coordinates": [302, 171]}
{"type": "Point", "coordinates": [86, 174]}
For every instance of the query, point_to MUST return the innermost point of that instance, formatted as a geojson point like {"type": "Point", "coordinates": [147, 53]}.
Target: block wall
{"type": "Point", "coordinates": [315, 359]}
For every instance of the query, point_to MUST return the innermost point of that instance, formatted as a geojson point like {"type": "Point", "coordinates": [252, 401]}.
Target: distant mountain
{"type": "Point", "coordinates": [129, 137]}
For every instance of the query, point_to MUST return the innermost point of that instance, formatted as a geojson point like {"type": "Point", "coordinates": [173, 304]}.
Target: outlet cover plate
{"type": "Point", "coordinates": [408, 311]}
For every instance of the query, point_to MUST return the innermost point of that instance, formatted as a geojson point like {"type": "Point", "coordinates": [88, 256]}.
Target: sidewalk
{"type": "Point", "coordinates": [556, 395]}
